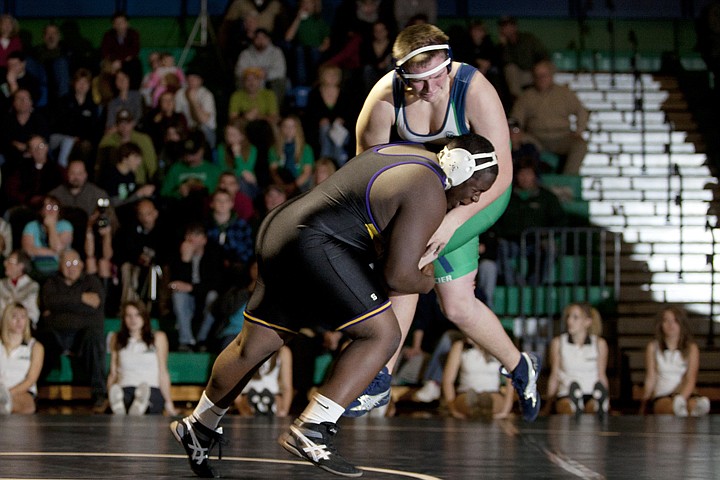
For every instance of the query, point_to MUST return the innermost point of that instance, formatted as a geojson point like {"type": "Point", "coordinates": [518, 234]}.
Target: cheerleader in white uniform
{"type": "Point", "coordinates": [672, 362]}
{"type": "Point", "coordinates": [578, 380]}
{"type": "Point", "coordinates": [21, 361]}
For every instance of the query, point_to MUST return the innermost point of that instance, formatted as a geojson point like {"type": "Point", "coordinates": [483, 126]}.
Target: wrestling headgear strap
{"type": "Point", "coordinates": [459, 164]}
{"type": "Point", "coordinates": [414, 76]}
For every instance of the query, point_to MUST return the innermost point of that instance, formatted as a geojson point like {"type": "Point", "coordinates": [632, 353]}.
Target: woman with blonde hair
{"type": "Point", "coordinates": [672, 361]}
{"type": "Point", "coordinates": [21, 361]}
{"type": "Point", "coordinates": [291, 159]}
{"type": "Point", "coordinates": [578, 359]}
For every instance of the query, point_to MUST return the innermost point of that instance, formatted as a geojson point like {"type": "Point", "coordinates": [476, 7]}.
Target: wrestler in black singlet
{"type": "Point", "coordinates": [315, 252]}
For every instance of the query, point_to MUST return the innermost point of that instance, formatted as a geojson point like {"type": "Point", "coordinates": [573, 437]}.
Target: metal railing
{"type": "Point", "coordinates": [561, 266]}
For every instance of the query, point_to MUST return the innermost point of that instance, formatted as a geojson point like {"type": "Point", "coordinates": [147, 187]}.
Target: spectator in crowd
{"type": "Point", "coordinates": [291, 159]}
{"type": "Point", "coordinates": [306, 39]}
{"type": "Point", "coordinates": [410, 12]}
{"type": "Point", "coordinates": [546, 112]}
{"type": "Point", "coordinates": [232, 235]}
{"type": "Point", "coordinates": [124, 98]}
{"type": "Point", "coordinates": [6, 237]}
{"type": "Point", "coordinates": [19, 77]}
{"type": "Point", "coordinates": [140, 250]}
{"type": "Point", "coordinates": [194, 174]}
{"type": "Point", "coordinates": [76, 122]}
{"type": "Point", "coordinates": [35, 176]}
{"type": "Point", "coordinates": [119, 181]}
{"type": "Point", "coordinates": [18, 125]}
{"type": "Point", "coordinates": [242, 204]}
{"type": "Point", "coordinates": [268, 13]}
{"type": "Point", "coordinates": [52, 55]}
{"type": "Point", "coordinates": [197, 104]}
{"type": "Point", "coordinates": [672, 361]}
{"type": "Point", "coordinates": [125, 132]}
{"type": "Point", "coordinates": [270, 391]}
{"type": "Point", "coordinates": [707, 28]}
{"type": "Point", "coordinates": [358, 17]}
{"type": "Point", "coordinates": [487, 274]}
{"type": "Point", "coordinates": [77, 191]}
{"type": "Point", "coordinates": [72, 320]}
{"type": "Point", "coordinates": [21, 361]}
{"type": "Point", "coordinates": [98, 249]}
{"type": "Point", "coordinates": [252, 101]}
{"type": "Point", "coordinates": [324, 167]}
{"type": "Point", "coordinates": [521, 144]}
{"type": "Point", "coordinates": [376, 54]}
{"type": "Point", "coordinates": [9, 39]}
{"type": "Point", "coordinates": [158, 119]}
{"type": "Point", "coordinates": [18, 287]}
{"type": "Point", "coordinates": [578, 380]}
{"type": "Point", "coordinates": [328, 118]}
{"type": "Point", "coordinates": [103, 84]}
{"type": "Point", "coordinates": [45, 240]}
{"type": "Point", "coordinates": [477, 375]}
{"type": "Point", "coordinates": [475, 47]}
{"type": "Point", "coordinates": [196, 275]}
{"type": "Point", "coordinates": [519, 52]}
{"type": "Point", "coordinates": [238, 155]}
{"type": "Point", "coordinates": [138, 381]}
{"type": "Point", "coordinates": [531, 205]}
{"type": "Point", "coordinates": [121, 46]}
{"type": "Point", "coordinates": [165, 77]}
{"type": "Point", "coordinates": [267, 56]}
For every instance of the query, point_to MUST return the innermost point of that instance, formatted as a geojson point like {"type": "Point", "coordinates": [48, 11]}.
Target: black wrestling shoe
{"type": "Point", "coordinates": [198, 440]}
{"type": "Point", "coordinates": [313, 442]}
{"type": "Point", "coordinates": [524, 379]}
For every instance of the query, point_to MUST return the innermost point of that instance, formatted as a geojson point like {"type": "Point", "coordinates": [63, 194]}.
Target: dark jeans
{"type": "Point", "coordinates": [87, 344]}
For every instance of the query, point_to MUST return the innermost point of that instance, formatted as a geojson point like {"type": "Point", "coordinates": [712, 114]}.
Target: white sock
{"type": "Point", "coordinates": [208, 413]}
{"type": "Point", "coordinates": [321, 409]}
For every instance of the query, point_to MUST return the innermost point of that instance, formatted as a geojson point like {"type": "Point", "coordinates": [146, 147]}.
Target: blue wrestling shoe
{"type": "Point", "coordinates": [524, 379]}
{"type": "Point", "coordinates": [375, 395]}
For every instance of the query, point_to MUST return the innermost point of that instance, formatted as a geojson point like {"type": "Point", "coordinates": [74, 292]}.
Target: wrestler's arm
{"type": "Point", "coordinates": [418, 201]}
{"type": "Point", "coordinates": [377, 116]}
{"type": "Point", "coordinates": [486, 115]}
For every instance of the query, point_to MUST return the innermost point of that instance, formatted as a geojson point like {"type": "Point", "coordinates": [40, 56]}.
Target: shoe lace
{"type": "Point", "coordinates": [214, 437]}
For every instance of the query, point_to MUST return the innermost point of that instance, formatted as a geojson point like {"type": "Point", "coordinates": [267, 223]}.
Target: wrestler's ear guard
{"type": "Point", "coordinates": [459, 165]}
{"type": "Point", "coordinates": [406, 76]}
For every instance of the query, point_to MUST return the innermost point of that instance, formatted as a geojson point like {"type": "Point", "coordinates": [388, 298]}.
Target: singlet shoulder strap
{"type": "Point", "coordinates": [461, 85]}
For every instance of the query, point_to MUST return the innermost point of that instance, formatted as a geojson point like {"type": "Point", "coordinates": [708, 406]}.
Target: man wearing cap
{"type": "Point", "coordinates": [430, 99]}
{"type": "Point", "coordinates": [193, 174]}
{"type": "Point", "coordinates": [262, 53]}
{"type": "Point", "coordinates": [252, 101]}
{"type": "Point", "coordinates": [125, 132]}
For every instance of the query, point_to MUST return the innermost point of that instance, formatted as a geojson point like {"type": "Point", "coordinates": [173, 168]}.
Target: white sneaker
{"type": "Point", "coordinates": [702, 407]}
{"type": "Point", "coordinates": [142, 400]}
{"type": "Point", "coordinates": [116, 395]}
{"type": "Point", "coordinates": [6, 404]}
{"type": "Point", "coordinates": [680, 406]}
{"type": "Point", "coordinates": [429, 392]}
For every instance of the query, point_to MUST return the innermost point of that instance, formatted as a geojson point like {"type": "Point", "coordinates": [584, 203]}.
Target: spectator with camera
{"type": "Point", "coordinates": [139, 248]}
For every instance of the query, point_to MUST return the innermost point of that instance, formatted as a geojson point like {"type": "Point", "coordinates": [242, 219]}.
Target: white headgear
{"type": "Point", "coordinates": [414, 76]}
{"type": "Point", "coordinates": [459, 164]}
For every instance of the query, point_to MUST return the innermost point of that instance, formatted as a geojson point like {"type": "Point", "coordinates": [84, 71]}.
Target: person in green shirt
{"type": "Point", "coordinates": [291, 159]}
{"type": "Point", "coordinates": [193, 173]}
